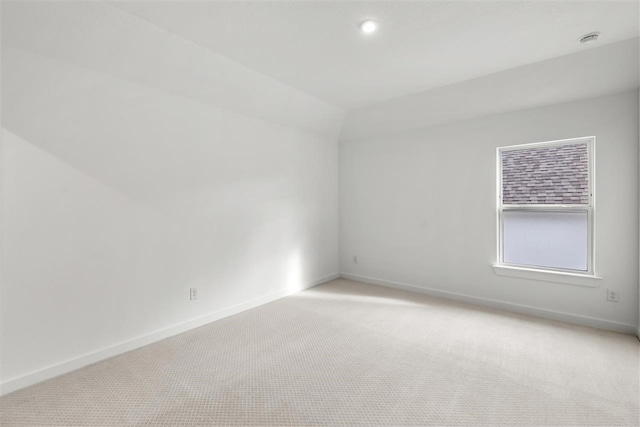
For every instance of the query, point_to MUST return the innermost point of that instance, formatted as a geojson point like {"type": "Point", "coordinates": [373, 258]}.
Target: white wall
{"type": "Point", "coordinates": [419, 208]}
{"type": "Point", "coordinates": [120, 194]}
{"type": "Point", "coordinates": [136, 165]}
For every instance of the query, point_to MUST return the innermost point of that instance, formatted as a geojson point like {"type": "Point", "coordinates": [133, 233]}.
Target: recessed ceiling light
{"type": "Point", "coordinates": [369, 26]}
{"type": "Point", "coordinates": [589, 39]}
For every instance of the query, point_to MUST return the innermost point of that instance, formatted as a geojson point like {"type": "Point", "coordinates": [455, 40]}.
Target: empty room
{"type": "Point", "coordinates": [304, 212]}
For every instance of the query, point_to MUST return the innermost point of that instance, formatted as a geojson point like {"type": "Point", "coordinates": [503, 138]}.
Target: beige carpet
{"type": "Point", "coordinates": [347, 353]}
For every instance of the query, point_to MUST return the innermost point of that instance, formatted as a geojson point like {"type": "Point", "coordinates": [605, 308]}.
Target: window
{"type": "Point", "coordinates": [546, 205]}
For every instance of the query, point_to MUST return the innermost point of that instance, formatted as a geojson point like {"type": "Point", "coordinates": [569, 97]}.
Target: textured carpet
{"type": "Point", "coordinates": [347, 353]}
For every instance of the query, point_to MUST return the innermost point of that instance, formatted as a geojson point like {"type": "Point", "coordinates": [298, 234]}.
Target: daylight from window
{"type": "Point", "coordinates": [546, 205]}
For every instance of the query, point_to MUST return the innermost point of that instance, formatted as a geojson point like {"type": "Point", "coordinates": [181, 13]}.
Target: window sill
{"type": "Point", "coordinates": [547, 276]}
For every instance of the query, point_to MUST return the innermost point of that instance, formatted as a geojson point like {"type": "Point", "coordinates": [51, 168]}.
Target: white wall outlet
{"type": "Point", "coordinates": [194, 293]}
{"type": "Point", "coordinates": [612, 295]}
{"type": "Point", "coordinates": [355, 259]}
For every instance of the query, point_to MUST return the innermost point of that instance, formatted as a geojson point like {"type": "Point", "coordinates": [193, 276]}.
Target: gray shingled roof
{"type": "Point", "coordinates": [548, 175]}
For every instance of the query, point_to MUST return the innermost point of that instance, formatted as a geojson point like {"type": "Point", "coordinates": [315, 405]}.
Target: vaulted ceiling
{"type": "Point", "coordinates": [316, 46]}
{"type": "Point", "coordinates": [240, 53]}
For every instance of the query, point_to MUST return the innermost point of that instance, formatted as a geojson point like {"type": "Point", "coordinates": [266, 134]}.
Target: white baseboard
{"type": "Point", "coordinates": [502, 305]}
{"type": "Point", "coordinates": [141, 341]}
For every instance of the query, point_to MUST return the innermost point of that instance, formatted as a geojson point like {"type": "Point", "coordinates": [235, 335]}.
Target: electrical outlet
{"type": "Point", "coordinates": [194, 293]}
{"type": "Point", "coordinates": [355, 259]}
{"type": "Point", "coordinates": [612, 295]}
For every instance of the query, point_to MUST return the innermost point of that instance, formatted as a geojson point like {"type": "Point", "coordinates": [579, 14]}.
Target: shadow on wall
{"type": "Point", "coordinates": [148, 144]}
{"type": "Point", "coordinates": [73, 239]}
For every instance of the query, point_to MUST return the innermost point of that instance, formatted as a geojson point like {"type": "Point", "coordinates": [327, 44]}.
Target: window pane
{"type": "Point", "coordinates": [549, 175]}
{"type": "Point", "coordinates": [545, 239]}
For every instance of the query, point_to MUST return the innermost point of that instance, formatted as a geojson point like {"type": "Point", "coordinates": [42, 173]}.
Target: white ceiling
{"type": "Point", "coordinates": [47, 46]}
{"type": "Point", "coordinates": [315, 46]}
{"type": "Point", "coordinates": [592, 73]}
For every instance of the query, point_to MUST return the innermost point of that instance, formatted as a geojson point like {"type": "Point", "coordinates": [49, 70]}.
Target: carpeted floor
{"type": "Point", "coordinates": [347, 353]}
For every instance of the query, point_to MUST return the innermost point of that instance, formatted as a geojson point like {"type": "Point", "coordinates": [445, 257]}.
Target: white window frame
{"type": "Point", "coordinates": [589, 209]}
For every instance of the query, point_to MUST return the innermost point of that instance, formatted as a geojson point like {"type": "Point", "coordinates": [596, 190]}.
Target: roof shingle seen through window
{"type": "Point", "coordinates": [546, 176]}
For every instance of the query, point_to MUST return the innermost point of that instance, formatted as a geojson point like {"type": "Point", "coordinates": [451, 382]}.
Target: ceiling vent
{"type": "Point", "coordinates": [590, 38]}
